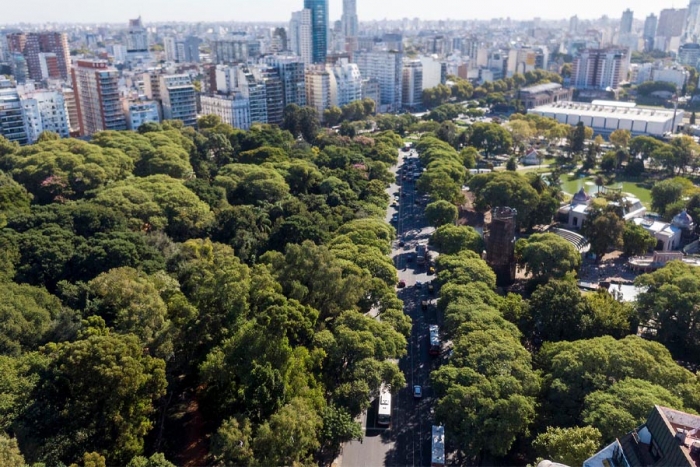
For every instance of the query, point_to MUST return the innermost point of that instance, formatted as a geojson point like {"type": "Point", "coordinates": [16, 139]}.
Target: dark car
{"type": "Point", "coordinates": [401, 284]}
{"type": "Point", "coordinates": [424, 305]}
{"type": "Point", "coordinates": [431, 288]}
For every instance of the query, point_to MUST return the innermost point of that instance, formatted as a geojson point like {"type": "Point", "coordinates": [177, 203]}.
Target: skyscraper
{"type": "Point", "coordinates": [179, 98]}
{"type": "Point", "coordinates": [349, 18]}
{"type": "Point", "coordinates": [96, 87]}
{"type": "Point", "coordinates": [626, 22]}
{"type": "Point", "coordinates": [386, 66]}
{"type": "Point", "coordinates": [319, 29]}
{"type": "Point", "coordinates": [137, 37]}
{"type": "Point", "coordinates": [573, 25]}
{"type": "Point", "coordinates": [649, 32]}
{"type": "Point", "coordinates": [692, 25]}
{"type": "Point", "coordinates": [599, 68]}
{"type": "Point", "coordinates": [301, 35]}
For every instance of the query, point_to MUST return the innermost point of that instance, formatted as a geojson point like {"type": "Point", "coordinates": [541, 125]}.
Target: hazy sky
{"type": "Point", "coordinates": [115, 11]}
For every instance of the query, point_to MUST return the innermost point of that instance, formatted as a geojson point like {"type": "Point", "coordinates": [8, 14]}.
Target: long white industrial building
{"type": "Point", "coordinates": [607, 116]}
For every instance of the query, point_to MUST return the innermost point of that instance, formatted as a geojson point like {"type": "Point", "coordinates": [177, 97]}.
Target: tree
{"type": "Point", "coordinates": [451, 239]}
{"type": "Point", "coordinates": [73, 414]}
{"type": "Point", "coordinates": [338, 428]}
{"type": "Point", "coordinates": [512, 164]}
{"type": "Point", "coordinates": [669, 301]}
{"type": "Point", "coordinates": [464, 268]}
{"type": "Point", "coordinates": [625, 405]}
{"type": "Point", "coordinates": [491, 137]}
{"type": "Point", "coordinates": [664, 194]}
{"type": "Point", "coordinates": [621, 138]}
{"type": "Point", "coordinates": [156, 460]}
{"type": "Point", "coordinates": [636, 240]}
{"type": "Point", "coordinates": [9, 452]}
{"type": "Point", "coordinates": [290, 436]}
{"type": "Point", "coordinates": [547, 256]}
{"type": "Point", "coordinates": [568, 446]}
{"type": "Point", "coordinates": [578, 138]}
{"type": "Point", "coordinates": [572, 370]}
{"type": "Point", "coordinates": [436, 96]}
{"type": "Point", "coordinates": [604, 231]}
{"type": "Point", "coordinates": [232, 443]}
{"type": "Point", "coordinates": [332, 116]}
{"type": "Point", "coordinates": [440, 213]}
{"type": "Point", "coordinates": [546, 305]}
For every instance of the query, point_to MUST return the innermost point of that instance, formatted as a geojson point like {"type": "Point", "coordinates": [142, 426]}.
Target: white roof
{"type": "Point", "coordinates": [605, 111]}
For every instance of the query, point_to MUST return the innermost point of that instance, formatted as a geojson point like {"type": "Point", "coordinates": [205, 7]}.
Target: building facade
{"type": "Point", "coordinates": [33, 44]}
{"type": "Point", "coordinates": [233, 109]}
{"type": "Point", "coordinates": [291, 71]}
{"type": "Point", "coordinates": [600, 68]}
{"type": "Point", "coordinates": [140, 112]}
{"type": "Point", "coordinates": [350, 24]}
{"type": "Point", "coordinates": [349, 82]}
{"type": "Point", "coordinates": [300, 35]}
{"type": "Point", "coordinates": [321, 89]}
{"type": "Point", "coordinates": [96, 87]}
{"type": "Point", "coordinates": [12, 125]}
{"type": "Point", "coordinates": [319, 29]}
{"type": "Point", "coordinates": [137, 37]}
{"type": "Point", "coordinates": [412, 84]}
{"type": "Point", "coordinates": [44, 111]}
{"type": "Point", "coordinates": [178, 98]}
{"type": "Point", "coordinates": [387, 68]}
{"type": "Point", "coordinates": [544, 94]}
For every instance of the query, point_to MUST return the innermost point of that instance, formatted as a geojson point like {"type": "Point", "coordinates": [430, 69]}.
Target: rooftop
{"type": "Point", "coordinates": [605, 110]}
{"type": "Point", "coordinates": [541, 88]}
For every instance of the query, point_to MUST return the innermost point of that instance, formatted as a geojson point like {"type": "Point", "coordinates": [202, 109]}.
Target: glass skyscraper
{"type": "Point", "coordinates": [319, 29]}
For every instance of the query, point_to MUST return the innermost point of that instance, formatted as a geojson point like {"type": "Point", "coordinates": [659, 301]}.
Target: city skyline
{"type": "Point", "coordinates": [85, 11]}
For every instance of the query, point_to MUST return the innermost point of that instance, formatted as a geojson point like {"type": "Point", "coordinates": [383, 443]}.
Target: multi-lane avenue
{"type": "Point", "coordinates": [407, 441]}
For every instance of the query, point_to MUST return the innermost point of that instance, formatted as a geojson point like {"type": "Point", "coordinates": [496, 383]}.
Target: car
{"type": "Point", "coordinates": [395, 218]}
{"type": "Point", "coordinates": [424, 305]}
{"type": "Point", "coordinates": [402, 243]}
{"type": "Point", "coordinates": [401, 284]}
{"type": "Point", "coordinates": [417, 392]}
{"type": "Point", "coordinates": [419, 284]}
{"type": "Point", "coordinates": [431, 289]}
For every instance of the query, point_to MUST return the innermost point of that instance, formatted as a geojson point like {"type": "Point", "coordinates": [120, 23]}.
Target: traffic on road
{"type": "Point", "coordinates": [408, 439]}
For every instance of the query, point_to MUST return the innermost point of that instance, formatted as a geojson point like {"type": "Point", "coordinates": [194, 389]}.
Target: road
{"type": "Point", "coordinates": [407, 441]}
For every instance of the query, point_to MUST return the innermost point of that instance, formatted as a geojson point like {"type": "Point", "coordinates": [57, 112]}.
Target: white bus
{"type": "Point", "coordinates": [438, 448]}
{"type": "Point", "coordinates": [384, 407]}
{"type": "Point", "coordinates": [434, 340]}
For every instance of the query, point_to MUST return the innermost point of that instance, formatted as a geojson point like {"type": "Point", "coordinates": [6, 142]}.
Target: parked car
{"type": "Point", "coordinates": [424, 305]}
{"type": "Point", "coordinates": [431, 288]}
{"type": "Point", "coordinates": [401, 284]}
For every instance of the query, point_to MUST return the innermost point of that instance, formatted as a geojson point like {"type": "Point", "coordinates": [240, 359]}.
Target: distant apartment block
{"type": "Point", "coordinates": [235, 50]}
{"type": "Point", "coordinates": [600, 68]}
{"type": "Point", "coordinates": [412, 84]}
{"type": "Point", "coordinates": [233, 109]}
{"type": "Point", "coordinates": [96, 87]}
{"type": "Point", "coordinates": [387, 68]}
{"type": "Point", "coordinates": [32, 45]}
{"type": "Point", "coordinates": [321, 89]}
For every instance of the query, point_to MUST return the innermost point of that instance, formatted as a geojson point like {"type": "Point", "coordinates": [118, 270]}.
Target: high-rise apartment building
{"type": "Point", "coordinates": [626, 21]}
{"type": "Point", "coordinates": [412, 83]}
{"type": "Point", "coordinates": [96, 87]}
{"type": "Point", "coordinates": [319, 29]}
{"type": "Point", "coordinates": [650, 32]}
{"type": "Point", "coordinates": [44, 111]}
{"type": "Point", "coordinates": [671, 22]}
{"type": "Point", "coordinates": [170, 48]}
{"type": "Point", "coordinates": [274, 92]}
{"type": "Point", "coordinates": [33, 44]}
{"type": "Point", "coordinates": [291, 71]}
{"type": "Point", "coordinates": [12, 125]}
{"type": "Point", "coordinates": [178, 98]}
{"type": "Point", "coordinates": [136, 37]}
{"type": "Point", "coordinates": [689, 54]}
{"type": "Point", "coordinates": [692, 25]}
{"type": "Point", "coordinates": [235, 50]}
{"type": "Point", "coordinates": [321, 89]}
{"type": "Point", "coordinates": [350, 24]}
{"type": "Point", "coordinates": [599, 68]}
{"type": "Point", "coordinates": [256, 93]}
{"type": "Point", "coordinates": [573, 25]}
{"type": "Point", "coordinates": [301, 35]}
{"type": "Point", "coordinates": [348, 82]}
{"type": "Point", "coordinates": [71, 110]}
{"type": "Point", "coordinates": [387, 68]}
